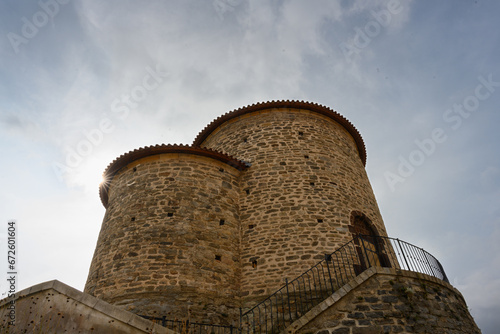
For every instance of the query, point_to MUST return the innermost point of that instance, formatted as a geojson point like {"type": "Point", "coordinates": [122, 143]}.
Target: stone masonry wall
{"type": "Point", "coordinates": [390, 301]}
{"type": "Point", "coordinates": [296, 199]}
{"type": "Point", "coordinates": [169, 242]}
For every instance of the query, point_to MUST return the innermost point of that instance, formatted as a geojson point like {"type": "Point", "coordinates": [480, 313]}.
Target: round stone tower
{"type": "Point", "coordinates": [169, 242]}
{"type": "Point", "coordinates": [262, 194]}
{"type": "Point", "coordinates": [304, 193]}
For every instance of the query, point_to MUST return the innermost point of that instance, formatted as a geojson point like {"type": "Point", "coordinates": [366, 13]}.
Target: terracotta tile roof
{"type": "Point", "coordinates": [320, 109]}
{"type": "Point", "coordinates": [124, 159]}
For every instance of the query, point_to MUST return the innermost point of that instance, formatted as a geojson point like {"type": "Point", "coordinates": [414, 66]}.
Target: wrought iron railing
{"type": "Point", "coordinates": [301, 294]}
{"type": "Point", "coordinates": [413, 258]}
{"type": "Point", "coordinates": [187, 327]}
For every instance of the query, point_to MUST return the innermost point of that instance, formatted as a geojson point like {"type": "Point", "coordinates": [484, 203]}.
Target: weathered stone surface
{"type": "Point", "coordinates": [169, 243]}
{"type": "Point", "coordinates": [414, 308]}
{"type": "Point", "coordinates": [305, 181]}
{"type": "Point", "coordinates": [53, 307]}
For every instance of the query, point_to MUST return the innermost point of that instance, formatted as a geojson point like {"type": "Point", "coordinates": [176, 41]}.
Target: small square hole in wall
{"type": "Point", "coordinates": [306, 156]}
{"type": "Point", "coordinates": [251, 227]}
{"type": "Point", "coordinates": [312, 183]}
{"type": "Point", "coordinates": [134, 169]}
{"type": "Point", "coordinates": [221, 170]}
{"type": "Point", "coordinates": [254, 264]}
{"type": "Point", "coordinates": [245, 140]}
{"type": "Point", "coordinates": [218, 258]}
{"type": "Point", "coordinates": [247, 191]}
{"type": "Point", "coordinates": [170, 214]}
{"type": "Point", "coordinates": [320, 220]}
{"type": "Point", "coordinates": [222, 222]}
{"type": "Point", "coordinates": [301, 133]}
{"type": "Point", "coordinates": [132, 219]}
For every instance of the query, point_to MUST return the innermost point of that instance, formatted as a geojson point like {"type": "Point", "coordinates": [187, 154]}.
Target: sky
{"type": "Point", "coordinates": [82, 82]}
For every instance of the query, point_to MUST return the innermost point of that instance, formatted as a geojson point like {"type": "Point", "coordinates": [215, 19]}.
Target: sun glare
{"type": "Point", "coordinates": [89, 175]}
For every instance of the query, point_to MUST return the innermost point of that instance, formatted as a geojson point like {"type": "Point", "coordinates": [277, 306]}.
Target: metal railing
{"type": "Point", "coordinates": [413, 258]}
{"type": "Point", "coordinates": [301, 294]}
{"type": "Point", "coordinates": [187, 327]}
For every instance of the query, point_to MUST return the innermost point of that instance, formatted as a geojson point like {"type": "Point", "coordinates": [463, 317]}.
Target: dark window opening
{"type": "Point", "coordinates": [250, 227]}
{"type": "Point", "coordinates": [135, 169]}
{"type": "Point", "coordinates": [132, 219]}
{"type": "Point", "coordinates": [306, 156]}
{"type": "Point", "coordinates": [320, 220]}
{"type": "Point", "coordinates": [170, 214]}
{"type": "Point", "coordinates": [247, 191]}
{"type": "Point", "coordinates": [222, 222]}
{"type": "Point", "coordinates": [218, 258]}
{"type": "Point", "coordinates": [254, 264]}
{"type": "Point", "coordinates": [301, 133]}
{"type": "Point", "coordinates": [221, 170]}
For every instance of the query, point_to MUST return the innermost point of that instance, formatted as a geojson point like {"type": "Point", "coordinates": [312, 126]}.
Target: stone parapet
{"type": "Point", "coordinates": [387, 300]}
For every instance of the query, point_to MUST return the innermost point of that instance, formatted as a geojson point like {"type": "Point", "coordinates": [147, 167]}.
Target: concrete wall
{"type": "Point", "coordinates": [384, 300]}
{"type": "Point", "coordinates": [296, 199]}
{"type": "Point", "coordinates": [169, 243]}
{"type": "Point", "coordinates": [53, 307]}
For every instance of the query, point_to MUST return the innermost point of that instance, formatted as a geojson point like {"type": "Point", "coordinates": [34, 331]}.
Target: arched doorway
{"type": "Point", "coordinates": [369, 247]}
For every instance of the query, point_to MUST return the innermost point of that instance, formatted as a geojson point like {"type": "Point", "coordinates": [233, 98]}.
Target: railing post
{"type": "Point", "coordinates": [241, 321]}
{"type": "Point", "coordinates": [328, 257]}
{"type": "Point", "coordinates": [427, 260]}
{"type": "Point", "coordinates": [445, 278]}
{"type": "Point", "coordinates": [403, 253]}
{"type": "Point", "coordinates": [288, 298]}
{"type": "Point", "coordinates": [265, 319]}
{"type": "Point", "coordinates": [271, 314]}
{"type": "Point", "coordinates": [164, 321]}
